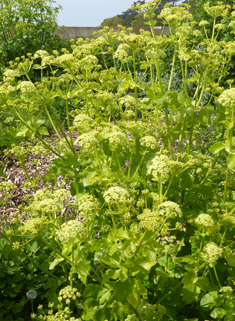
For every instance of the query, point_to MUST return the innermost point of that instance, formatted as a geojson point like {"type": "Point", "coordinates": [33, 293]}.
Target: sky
{"type": "Point", "coordinates": [89, 13]}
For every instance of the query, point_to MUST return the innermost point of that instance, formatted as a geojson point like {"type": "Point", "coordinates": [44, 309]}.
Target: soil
{"type": "Point", "coordinates": [15, 175]}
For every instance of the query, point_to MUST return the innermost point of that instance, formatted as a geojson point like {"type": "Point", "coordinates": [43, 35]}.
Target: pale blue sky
{"type": "Point", "coordinates": [90, 13]}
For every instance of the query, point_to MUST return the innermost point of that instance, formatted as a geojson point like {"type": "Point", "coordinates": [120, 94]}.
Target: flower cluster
{"type": "Point", "coordinates": [116, 138]}
{"type": "Point", "coordinates": [228, 221]}
{"type": "Point", "coordinates": [83, 123]}
{"type": "Point", "coordinates": [87, 141]}
{"type": "Point", "coordinates": [116, 195]}
{"type": "Point", "coordinates": [150, 220]}
{"type": "Point", "coordinates": [159, 168]}
{"type": "Point", "coordinates": [227, 98]}
{"type": "Point", "coordinates": [149, 142]}
{"type": "Point", "coordinates": [7, 186]}
{"type": "Point", "coordinates": [205, 222]}
{"type": "Point", "coordinates": [26, 87]}
{"type": "Point", "coordinates": [68, 293]}
{"type": "Point", "coordinates": [211, 253]}
{"type": "Point", "coordinates": [88, 204]}
{"type": "Point", "coordinates": [33, 226]}
{"type": "Point", "coordinates": [70, 231]}
{"type": "Point", "coordinates": [169, 209]}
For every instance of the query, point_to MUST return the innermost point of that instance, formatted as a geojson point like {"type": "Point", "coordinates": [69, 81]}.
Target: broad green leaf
{"type": "Point", "coordinates": [92, 290]}
{"type": "Point", "coordinates": [104, 295]}
{"type": "Point", "coordinates": [203, 283]}
{"type": "Point", "coordinates": [231, 161]}
{"type": "Point", "coordinates": [208, 300]}
{"type": "Point", "coordinates": [190, 277]}
{"type": "Point", "coordinates": [110, 261]}
{"type": "Point", "coordinates": [216, 148]}
{"type": "Point", "coordinates": [190, 292]}
{"type": "Point", "coordinates": [148, 265]}
{"type": "Point", "coordinates": [123, 274]}
{"type": "Point", "coordinates": [204, 117]}
{"type": "Point", "coordinates": [230, 257]}
{"type": "Point", "coordinates": [122, 233]}
{"type": "Point", "coordinates": [55, 262]}
{"type": "Point", "coordinates": [227, 123]}
{"type": "Point", "coordinates": [218, 313]}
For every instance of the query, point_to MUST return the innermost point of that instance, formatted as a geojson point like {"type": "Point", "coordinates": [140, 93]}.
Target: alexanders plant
{"type": "Point", "coordinates": [155, 234]}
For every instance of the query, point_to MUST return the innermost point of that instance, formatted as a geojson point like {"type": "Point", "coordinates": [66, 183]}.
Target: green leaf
{"type": "Point", "coordinates": [189, 277]}
{"type": "Point", "coordinates": [190, 293]}
{"type": "Point", "coordinates": [104, 295]}
{"type": "Point", "coordinates": [33, 247]}
{"type": "Point", "coordinates": [230, 257]}
{"type": "Point", "coordinates": [218, 313]}
{"type": "Point", "coordinates": [147, 265]}
{"type": "Point", "coordinates": [204, 117]}
{"type": "Point", "coordinates": [208, 300]}
{"type": "Point", "coordinates": [203, 283]}
{"type": "Point", "coordinates": [123, 234]}
{"type": "Point", "coordinates": [123, 274]}
{"type": "Point", "coordinates": [186, 181]}
{"type": "Point", "coordinates": [228, 124]}
{"type": "Point", "coordinates": [231, 161]}
{"type": "Point", "coordinates": [216, 148]}
{"type": "Point", "coordinates": [55, 262]}
{"type": "Point", "coordinates": [92, 290]}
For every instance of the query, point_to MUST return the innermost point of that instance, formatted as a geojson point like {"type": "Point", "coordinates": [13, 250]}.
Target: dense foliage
{"type": "Point", "coordinates": [27, 26]}
{"type": "Point", "coordinates": [133, 17]}
{"type": "Point", "coordinates": [152, 231]}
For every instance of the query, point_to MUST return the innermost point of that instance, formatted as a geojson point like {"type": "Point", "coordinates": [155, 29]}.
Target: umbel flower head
{"type": "Point", "coordinates": [149, 142]}
{"type": "Point", "coordinates": [204, 220]}
{"type": "Point", "coordinates": [33, 226]}
{"type": "Point", "coordinates": [70, 231]}
{"type": "Point", "coordinates": [227, 98]}
{"type": "Point", "coordinates": [150, 220]}
{"type": "Point", "coordinates": [228, 221]}
{"type": "Point", "coordinates": [116, 195]}
{"type": "Point", "coordinates": [159, 169]}
{"type": "Point", "coordinates": [169, 209]}
{"type": "Point", "coordinates": [211, 253]}
{"type": "Point", "coordinates": [88, 204]}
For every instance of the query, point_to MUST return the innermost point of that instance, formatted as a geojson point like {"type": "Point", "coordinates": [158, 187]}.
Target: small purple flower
{"type": "Point", "coordinates": [208, 94]}
{"type": "Point", "coordinates": [171, 63]}
{"type": "Point", "coordinates": [199, 65]}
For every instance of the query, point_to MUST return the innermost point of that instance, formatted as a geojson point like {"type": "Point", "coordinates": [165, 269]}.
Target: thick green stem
{"type": "Point", "coordinates": [172, 70]}
{"type": "Point", "coordinates": [216, 275]}
{"type": "Point", "coordinates": [26, 124]}
{"type": "Point", "coordinates": [226, 185]}
{"type": "Point", "coordinates": [168, 131]}
{"type": "Point", "coordinates": [209, 170]}
{"type": "Point", "coordinates": [55, 250]}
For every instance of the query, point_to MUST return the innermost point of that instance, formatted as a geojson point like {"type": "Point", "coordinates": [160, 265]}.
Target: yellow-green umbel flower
{"type": "Point", "coordinates": [159, 169]}
{"type": "Point", "coordinates": [211, 253]}
{"type": "Point", "coordinates": [150, 220]}
{"type": "Point", "coordinates": [88, 204]}
{"type": "Point", "coordinates": [68, 293]}
{"type": "Point", "coordinates": [227, 98]}
{"type": "Point", "coordinates": [149, 142]}
{"type": "Point", "coordinates": [33, 226]}
{"type": "Point", "coordinates": [204, 221]}
{"type": "Point", "coordinates": [116, 195]}
{"type": "Point", "coordinates": [70, 231]}
{"type": "Point", "coordinates": [169, 209]}
{"type": "Point", "coordinates": [228, 221]}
